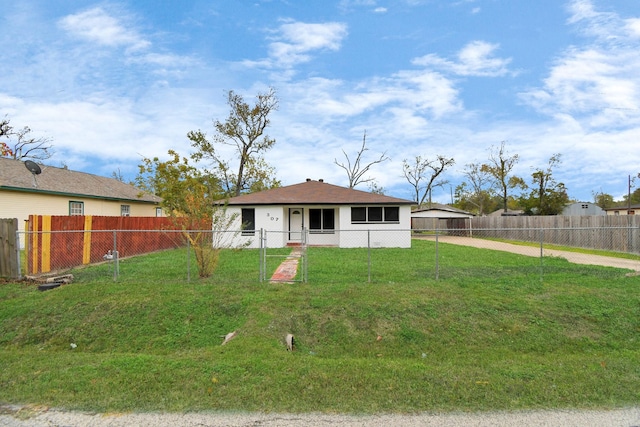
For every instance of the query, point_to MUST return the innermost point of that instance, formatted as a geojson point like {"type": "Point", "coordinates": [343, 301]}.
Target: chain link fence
{"type": "Point", "coordinates": [367, 256]}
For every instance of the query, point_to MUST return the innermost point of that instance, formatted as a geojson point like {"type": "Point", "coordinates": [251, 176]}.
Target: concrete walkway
{"type": "Point", "coordinates": [287, 270]}
{"type": "Point", "coordinates": [574, 257]}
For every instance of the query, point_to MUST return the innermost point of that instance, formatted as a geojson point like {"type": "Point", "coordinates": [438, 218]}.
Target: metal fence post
{"type": "Point", "coordinates": [19, 272]}
{"type": "Point", "coordinates": [261, 257]}
{"type": "Point", "coordinates": [369, 256]}
{"type": "Point", "coordinates": [188, 258]}
{"type": "Point", "coordinates": [305, 247]}
{"type": "Point", "coordinates": [437, 258]}
{"type": "Point", "coordinates": [116, 261]}
{"type": "Point", "coordinates": [541, 254]}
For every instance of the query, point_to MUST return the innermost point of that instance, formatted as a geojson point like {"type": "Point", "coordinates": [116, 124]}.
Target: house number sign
{"type": "Point", "coordinates": [272, 218]}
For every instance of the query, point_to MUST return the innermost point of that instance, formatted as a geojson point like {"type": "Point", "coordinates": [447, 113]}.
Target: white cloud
{"type": "Point", "coordinates": [294, 42]}
{"type": "Point", "coordinates": [98, 26]}
{"type": "Point", "coordinates": [474, 59]}
{"type": "Point", "coordinates": [597, 83]}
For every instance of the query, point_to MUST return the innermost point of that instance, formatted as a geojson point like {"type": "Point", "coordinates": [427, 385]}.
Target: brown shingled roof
{"type": "Point", "coordinates": [14, 176]}
{"type": "Point", "coordinates": [315, 192]}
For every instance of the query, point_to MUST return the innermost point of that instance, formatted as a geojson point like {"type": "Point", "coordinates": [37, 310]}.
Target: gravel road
{"type": "Point", "coordinates": [15, 416]}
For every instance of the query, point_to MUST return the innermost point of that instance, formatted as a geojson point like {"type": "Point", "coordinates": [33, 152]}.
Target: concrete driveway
{"type": "Point", "coordinates": [45, 417]}
{"type": "Point", "coordinates": [574, 257]}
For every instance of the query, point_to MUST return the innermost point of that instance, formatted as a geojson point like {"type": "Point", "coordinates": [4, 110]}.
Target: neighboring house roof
{"type": "Point", "coordinates": [315, 193]}
{"type": "Point", "coordinates": [14, 176]}
{"type": "Point", "coordinates": [441, 207]}
{"type": "Point", "coordinates": [621, 208]}
{"type": "Point", "coordinates": [510, 212]}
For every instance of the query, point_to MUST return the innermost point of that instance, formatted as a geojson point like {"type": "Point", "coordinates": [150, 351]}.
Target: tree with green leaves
{"type": "Point", "coordinates": [499, 167]}
{"type": "Point", "coordinates": [244, 130]}
{"type": "Point", "coordinates": [422, 174]}
{"type": "Point", "coordinates": [604, 200]}
{"type": "Point", "coordinates": [191, 197]}
{"type": "Point", "coordinates": [547, 197]}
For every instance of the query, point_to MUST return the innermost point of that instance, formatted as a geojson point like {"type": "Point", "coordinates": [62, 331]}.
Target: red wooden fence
{"type": "Point", "coordinates": [60, 242]}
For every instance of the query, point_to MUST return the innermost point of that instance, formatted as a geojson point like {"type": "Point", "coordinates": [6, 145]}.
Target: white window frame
{"type": "Point", "coordinates": [76, 208]}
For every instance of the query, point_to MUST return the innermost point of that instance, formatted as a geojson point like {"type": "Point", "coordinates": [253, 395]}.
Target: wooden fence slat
{"type": "Point", "coordinates": [77, 240]}
{"type": "Point", "coordinates": [9, 265]}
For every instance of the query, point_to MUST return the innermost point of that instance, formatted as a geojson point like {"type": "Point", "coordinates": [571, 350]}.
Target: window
{"type": "Point", "coordinates": [158, 212]}
{"type": "Point", "coordinates": [125, 210]}
{"type": "Point", "coordinates": [390, 214]}
{"type": "Point", "coordinates": [249, 222]}
{"type": "Point", "coordinates": [321, 220]}
{"type": "Point", "coordinates": [358, 214]}
{"type": "Point", "coordinates": [374, 214]}
{"type": "Point", "coordinates": [76, 208]}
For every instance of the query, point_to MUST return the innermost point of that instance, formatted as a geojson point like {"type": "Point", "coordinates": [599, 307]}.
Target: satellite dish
{"type": "Point", "coordinates": [34, 169]}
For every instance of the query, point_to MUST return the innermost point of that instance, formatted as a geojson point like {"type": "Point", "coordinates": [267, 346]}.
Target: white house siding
{"type": "Point", "coordinates": [397, 235]}
{"type": "Point", "coordinates": [267, 218]}
{"type": "Point", "coordinates": [274, 220]}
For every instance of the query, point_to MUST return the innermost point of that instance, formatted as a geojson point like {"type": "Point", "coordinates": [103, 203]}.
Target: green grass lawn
{"type": "Point", "coordinates": [488, 335]}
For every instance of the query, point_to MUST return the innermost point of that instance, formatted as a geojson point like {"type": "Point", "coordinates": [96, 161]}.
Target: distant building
{"type": "Point", "coordinates": [623, 210]}
{"type": "Point", "coordinates": [582, 208]}
{"type": "Point", "coordinates": [438, 216]}
{"type": "Point", "coordinates": [509, 212]}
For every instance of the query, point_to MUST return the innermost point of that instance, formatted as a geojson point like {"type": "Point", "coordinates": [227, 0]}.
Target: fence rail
{"type": "Point", "coordinates": [60, 251]}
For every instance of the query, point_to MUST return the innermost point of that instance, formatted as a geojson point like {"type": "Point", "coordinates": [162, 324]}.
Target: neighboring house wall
{"type": "Point", "coordinates": [21, 205]}
{"type": "Point", "coordinates": [634, 210]}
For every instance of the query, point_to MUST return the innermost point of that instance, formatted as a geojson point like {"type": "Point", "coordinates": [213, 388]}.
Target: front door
{"type": "Point", "coordinates": [296, 222]}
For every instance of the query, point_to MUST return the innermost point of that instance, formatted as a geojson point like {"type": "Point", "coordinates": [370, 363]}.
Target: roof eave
{"type": "Point", "coordinates": [86, 196]}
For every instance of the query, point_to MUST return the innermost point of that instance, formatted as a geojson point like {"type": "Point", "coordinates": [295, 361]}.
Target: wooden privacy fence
{"type": "Point", "coordinates": [60, 242]}
{"type": "Point", "coordinates": [9, 265]}
{"type": "Point", "coordinates": [605, 232]}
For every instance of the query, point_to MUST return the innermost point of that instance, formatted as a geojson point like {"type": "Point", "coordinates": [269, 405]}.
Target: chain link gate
{"type": "Point", "coordinates": [291, 267]}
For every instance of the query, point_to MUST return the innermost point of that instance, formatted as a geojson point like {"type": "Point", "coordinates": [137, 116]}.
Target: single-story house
{"type": "Point", "coordinates": [60, 191]}
{"type": "Point", "coordinates": [582, 208]}
{"type": "Point", "coordinates": [624, 210]}
{"type": "Point", "coordinates": [333, 216]}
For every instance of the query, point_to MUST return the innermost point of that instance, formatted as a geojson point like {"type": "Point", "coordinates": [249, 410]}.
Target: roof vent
{"type": "Point", "coordinates": [321, 180]}
{"type": "Point", "coordinates": [308, 179]}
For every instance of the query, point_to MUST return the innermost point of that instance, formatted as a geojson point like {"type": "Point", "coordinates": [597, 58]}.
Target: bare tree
{"type": "Point", "coordinates": [500, 166]}
{"type": "Point", "coordinates": [356, 171]}
{"type": "Point", "coordinates": [19, 144]}
{"type": "Point", "coordinates": [478, 192]}
{"type": "Point", "coordinates": [422, 175]}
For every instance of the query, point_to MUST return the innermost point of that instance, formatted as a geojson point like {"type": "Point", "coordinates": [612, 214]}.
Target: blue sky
{"type": "Point", "coordinates": [112, 81]}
